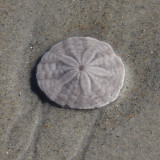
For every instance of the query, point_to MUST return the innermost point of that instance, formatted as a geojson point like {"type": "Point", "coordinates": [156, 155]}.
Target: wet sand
{"type": "Point", "coordinates": [34, 128]}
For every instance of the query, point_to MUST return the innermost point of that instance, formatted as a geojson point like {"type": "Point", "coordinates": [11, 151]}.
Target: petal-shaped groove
{"type": "Point", "coordinates": [85, 83]}
{"type": "Point", "coordinates": [71, 49]}
{"type": "Point", "coordinates": [68, 76]}
{"type": "Point", "coordinates": [97, 62]}
{"type": "Point", "coordinates": [68, 60]}
{"type": "Point", "coordinates": [89, 55]}
{"type": "Point", "coordinates": [97, 85]}
{"type": "Point", "coordinates": [98, 71]}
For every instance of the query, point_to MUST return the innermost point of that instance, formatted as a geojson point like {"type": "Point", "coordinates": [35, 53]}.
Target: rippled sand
{"type": "Point", "coordinates": [34, 128]}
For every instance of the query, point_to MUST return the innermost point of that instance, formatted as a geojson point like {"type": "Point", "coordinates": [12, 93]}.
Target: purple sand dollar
{"type": "Point", "coordinates": [81, 73]}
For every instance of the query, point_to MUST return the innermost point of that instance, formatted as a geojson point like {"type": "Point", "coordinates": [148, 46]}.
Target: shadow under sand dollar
{"type": "Point", "coordinates": [35, 88]}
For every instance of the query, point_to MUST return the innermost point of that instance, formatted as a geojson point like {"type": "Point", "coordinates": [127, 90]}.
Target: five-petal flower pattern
{"type": "Point", "coordinates": [84, 70]}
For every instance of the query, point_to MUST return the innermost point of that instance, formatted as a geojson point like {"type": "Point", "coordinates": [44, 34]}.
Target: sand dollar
{"type": "Point", "coordinates": [81, 73]}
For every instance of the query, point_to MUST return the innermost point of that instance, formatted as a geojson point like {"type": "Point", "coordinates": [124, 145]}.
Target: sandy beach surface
{"type": "Point", "coordinates": [34, 128]}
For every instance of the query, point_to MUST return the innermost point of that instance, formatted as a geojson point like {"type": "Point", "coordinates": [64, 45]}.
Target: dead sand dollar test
{"type": "Point", "coordinates": [81, 73]}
